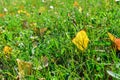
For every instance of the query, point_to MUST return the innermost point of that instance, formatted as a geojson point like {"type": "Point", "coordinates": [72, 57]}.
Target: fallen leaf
{"type": "Point", "coordinates": [33, 24]}
{"type": "Point", "coordinates": [42, 30]}
{"type": "Point", "coordinates": [112, 38]}
{"type": "Point", "coordinates": [39, 31]}
{"type": "Point", "coordinates": [7, 50]}
{"type": "Point", "coordinates": [1, 15]}
{"type": "Point", "coordinates": [115, 75]}
{"type": "Point", "coordinates": [43, 63]}
{"type": "Point", "coordinates": [115, 40]}
{"type": "Point", "coordinates": [25, 68]}
{"type": "Point", "coordinates": [25, 24]}
{"type": "Point", "coordinates": [75, 4]}
{"type": "Point", "coordinates": [117, 43]}
{"type": "Point", "coordinates": [24, 12]}
{"type": "Point", "coordinates": [81, 40]}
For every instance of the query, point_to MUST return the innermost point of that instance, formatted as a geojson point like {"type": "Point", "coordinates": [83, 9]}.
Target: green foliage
{"type": "Point", "coordinates": [63, 21]}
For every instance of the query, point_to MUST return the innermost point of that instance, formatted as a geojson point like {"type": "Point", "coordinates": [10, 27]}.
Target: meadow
{"type": "Point", "coordinates": [40, 32]}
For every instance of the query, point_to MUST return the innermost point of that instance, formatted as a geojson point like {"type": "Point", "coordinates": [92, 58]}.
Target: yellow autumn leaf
{"type": "Point", "coordinates": [81, 40]}
{"type": "Point", "coordinates": [112, 38]}
{"type": "Point", "coordinates": [115, 40]}
{"type": "Point", "coordinates": [25, 68]}
{"type": "Point", "coordinates": [76, 4]}
{"type": "Point", "coordinates": [7, 50]}
{"type": "Point", "coordinates": [23, 11]}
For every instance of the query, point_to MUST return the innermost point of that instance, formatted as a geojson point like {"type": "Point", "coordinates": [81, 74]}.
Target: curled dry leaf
{"type": "Point", "coordinates": [115, 75]}
{"type": "Point", "coordinates": [25, 68]}
{"type": "Point", "coordinates": [81, 40]}
{"type": "Point", "coordinates": [42, 30]}
{"type": "Point", "coordinates": [43, 63]}
{"type": "Point", "coordinates": [25, 24]}
{"type": "Point", "coordinates": [117, 43]}
{"type": "Point", "coordinates": [115, 40]}
{"type": "Point", "coordinates": [39, 31]}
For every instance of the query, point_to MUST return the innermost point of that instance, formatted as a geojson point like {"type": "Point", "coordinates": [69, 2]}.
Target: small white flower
{"type": "Point", "coordinates": [117, 0]}
{"type": "Point", "coordinates": [51, 7]}
{"type": "Point", "coordinates": [33, 37]}
{"type": "Point", "coordinates": [5, 10]}
{"type": "Point", "coordinates": [87, 14]}
{"type": "Point", "coordinates": [43, 0]}
{"type": "Point", "coordinates": [98, 59]}
{"type": "Point", "coordinates": [21, 45]}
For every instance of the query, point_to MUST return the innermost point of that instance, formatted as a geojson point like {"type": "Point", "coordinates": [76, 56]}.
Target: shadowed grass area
{"type": "Point", "coordinates": [20, 24]}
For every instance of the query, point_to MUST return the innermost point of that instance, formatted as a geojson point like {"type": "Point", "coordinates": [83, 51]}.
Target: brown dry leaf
{"type": "Point", "coordinates": [81, 40]}
{"type": "Point", "coordinates": [115, 40]}
{"type": "Point", "coordinates": [1, 15]}
{"type": "Point", "coordinates": [25, 24]}
{"type": "Point", "coordinates": [76, 4]}
{"type": "Point", "coordinates": [25, 68]}
{"type": "Point", "coordinates": [42, 30]}
{"type": "Point", "coordinates": [39, 31]}
{"type": "Point", "coordinates": [117, 43]}
{"type": "Point", "coordinates": [112, 38]}
{"type": "Point", "coordinates": [43, 63]}
{"type": "Point", "coordinates": [21, 7]}
{"type": "Point", "coordinates": [7, 50]}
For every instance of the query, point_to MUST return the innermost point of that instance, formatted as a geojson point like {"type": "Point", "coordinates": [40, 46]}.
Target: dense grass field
{"type": "Point", "coordinates": [41, 32]}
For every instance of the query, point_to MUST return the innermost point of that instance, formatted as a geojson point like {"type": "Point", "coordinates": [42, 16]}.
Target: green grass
{"type": "Point", "coordinates": [66, 61]}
